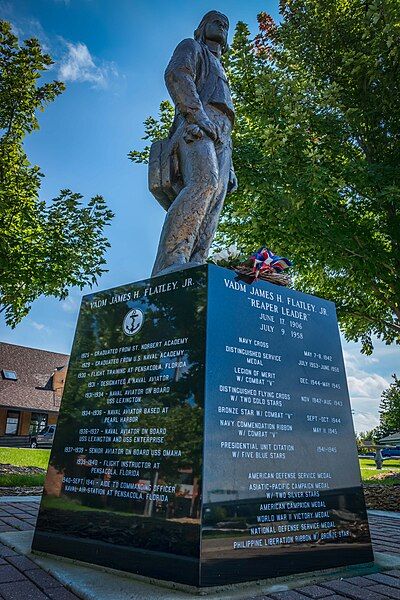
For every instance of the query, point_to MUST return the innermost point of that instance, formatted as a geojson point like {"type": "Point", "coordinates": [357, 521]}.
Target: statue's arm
{"type": "Point", "coordinates": [180, 79]}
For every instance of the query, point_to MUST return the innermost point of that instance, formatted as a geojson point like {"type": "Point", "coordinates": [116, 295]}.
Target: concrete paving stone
{"type": "Point", "coordinates": [23, 526]}
{"type": "Point", "coordinates": [9, 573]}
{"type": "Point", "coordinates": [14, 513]}
{"type": "Point", "coordinates": [289, 595]}
{"type": "Point", "coordinates": [351, 591]}
{"type": "Point", "coordinates": [337, 597]}
{"type": "Point", "coordinates": [31, 520]}
{"type": "Point", "coordinates": [384, 543]}
{"type": "Point", "coordinates": [387, 541]}
{"type": "Point", "coordinates": [359, 581]}
{"type": "Point", "coordinates": [42, 579]}
{"type": "Point", "coordinates": [390, 592]}
{"type": "Point", "coordinates": [11, 521]}
{"type": "Point", "coordinates": [315, 591]}
{"type": "Point", "coordinates": [394, 573]}
{"type": "Point", "coordinates": [63, 594]}
{"type": "Point", "coordinates": [21, 590]}
{"type": "Point", "coordinates": [385, 579]}
{"type": "Point", "coordinates": [22, 563]}
{"type": "Point", "coordinates": [6, 528]}
{"type": "Point", "coordinates": [6, 551]}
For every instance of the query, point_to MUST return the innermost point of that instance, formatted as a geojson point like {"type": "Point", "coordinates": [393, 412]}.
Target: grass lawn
{"type": "Point", "coordinates": [388, 475]}
{"type": "Point", "coordinates": [23, 457]}
{"type": "Point", "coordinates": [23, 480]}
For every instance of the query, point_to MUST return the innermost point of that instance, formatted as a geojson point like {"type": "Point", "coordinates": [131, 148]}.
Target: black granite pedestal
{"type": "Point", "coordinates": [205, 435]}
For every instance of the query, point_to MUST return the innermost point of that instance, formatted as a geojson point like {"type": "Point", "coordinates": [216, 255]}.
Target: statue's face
{"type": "Point", "coordinates": [216, 30]}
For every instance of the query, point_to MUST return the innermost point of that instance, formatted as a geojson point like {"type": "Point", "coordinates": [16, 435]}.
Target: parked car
{"type": "Point", "coordinates": [45, 438]}
{"type": "Point", "coordinates": [391, 452]}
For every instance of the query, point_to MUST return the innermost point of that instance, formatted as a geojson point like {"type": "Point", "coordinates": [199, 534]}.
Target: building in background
{"type": "Point", "coordinates": [31, 386]}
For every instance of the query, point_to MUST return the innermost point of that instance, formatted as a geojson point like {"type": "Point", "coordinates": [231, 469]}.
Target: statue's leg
{"type": "Point", "coordinates": [200, 173]}
{"type": "Point", "coordinates": [209, 224]}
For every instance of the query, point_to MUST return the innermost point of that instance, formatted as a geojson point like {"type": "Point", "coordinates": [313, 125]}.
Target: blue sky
{"type": "Point", "coordinates": [112, 56]}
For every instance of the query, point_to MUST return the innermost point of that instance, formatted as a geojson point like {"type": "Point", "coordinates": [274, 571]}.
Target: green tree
{"type": "Point", "coordinates": [390, 409]}
{"type": "Point", "coordinates": [44, 247]}
{"type": "Point", "coordinates": [154, 129]}
{"type": "Point", "coordinates": [365, 436]}
{"type": "Point", "coordinates": [316, 151]}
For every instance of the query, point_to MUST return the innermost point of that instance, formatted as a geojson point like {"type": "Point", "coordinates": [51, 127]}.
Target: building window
{"type": "Point", "coordinates": [38, 422]}
{"type": "Point", "coordinates": [12, 423]}
{"type": "Point", "coordinates": [9, 375]}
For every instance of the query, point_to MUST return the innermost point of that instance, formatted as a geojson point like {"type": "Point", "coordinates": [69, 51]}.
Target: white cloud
{"type": "Point", "coordinates": [70, 304]}
{"type": "Point", "coordinates": [78, 64]}
{"type": "Point", "coordinates": [25, 28]}
{"type": "Point", "coordinates": [364, 421]}
{"type": "Point", "coordinates": [367, 385]}
{"type": "Point", "coordinates": [366, 381]}
{"type": "Point", "coordinates": [41, 327]}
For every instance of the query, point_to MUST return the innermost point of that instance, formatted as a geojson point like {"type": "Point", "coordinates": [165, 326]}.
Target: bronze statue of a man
{"type": "Point", "coordinates": [191, 172]}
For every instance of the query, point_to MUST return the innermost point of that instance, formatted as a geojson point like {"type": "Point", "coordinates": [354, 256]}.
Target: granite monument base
{"type": "Point", "coordinates": [205, 435]}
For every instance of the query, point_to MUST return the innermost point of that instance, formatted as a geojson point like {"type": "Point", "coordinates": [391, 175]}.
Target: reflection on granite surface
{"type": "Point", "coordinates": [205, 435]}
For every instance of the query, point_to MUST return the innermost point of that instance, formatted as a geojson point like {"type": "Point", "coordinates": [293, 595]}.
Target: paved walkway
{"type": "Point", "coordinates": [22, 579]}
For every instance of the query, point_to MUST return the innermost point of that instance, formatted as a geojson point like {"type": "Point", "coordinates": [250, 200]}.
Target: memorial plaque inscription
{"type": "Point", "coordinates": [281, 491]}
{"type": "Point", "coordinates": [125, 466]}
{"type": "Point", "coordinates": [205, 435]}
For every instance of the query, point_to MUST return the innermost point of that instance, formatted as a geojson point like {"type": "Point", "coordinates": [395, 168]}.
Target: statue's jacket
{"type": "Point", "coordinates": [195, 78]}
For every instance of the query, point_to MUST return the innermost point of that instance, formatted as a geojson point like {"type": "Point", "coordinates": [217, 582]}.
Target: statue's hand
{"type": "Point", "coordinates": [196, 131]}
{"type": "Point", "coordinates": [232, 183]}
{"type": "Point", "coordinates": [192, 133]}
{"type": "Point", "coordinates": [205, 124]}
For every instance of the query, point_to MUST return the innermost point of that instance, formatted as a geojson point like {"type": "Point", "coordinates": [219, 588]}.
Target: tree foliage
{"type": "Point", "coordinates": [362, 438]}
{"type": "Point", "coordinates": [390, 410]}
{"type": "Point", "coordinates": [44, 247]}
{"type": "Point", "coordinates": [154, 129]}
{"type": "Point", "coordinates": [317, 153]}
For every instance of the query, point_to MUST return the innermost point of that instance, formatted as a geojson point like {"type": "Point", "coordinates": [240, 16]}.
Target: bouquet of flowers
{"type": "Point", "coordinates": [227, 257]}
{"type": "Point", "coordinates": [263, 264]}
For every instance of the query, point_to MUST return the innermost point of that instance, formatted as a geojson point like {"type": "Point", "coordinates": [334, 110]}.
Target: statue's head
{"type": "Point", "coordinates": [213, 26]}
